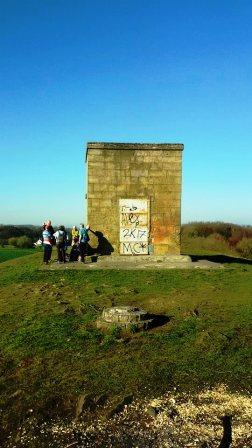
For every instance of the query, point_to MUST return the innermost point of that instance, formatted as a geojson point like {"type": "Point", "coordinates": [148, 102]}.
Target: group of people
{"type": "Point", "coordinates": [60, 239]}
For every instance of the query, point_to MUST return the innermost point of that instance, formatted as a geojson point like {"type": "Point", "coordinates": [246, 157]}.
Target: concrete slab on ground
{"type": "Point", "coordinates": [137, 262]}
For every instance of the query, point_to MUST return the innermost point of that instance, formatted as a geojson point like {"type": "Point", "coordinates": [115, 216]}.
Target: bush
{"type": "Point", "coordinates": [13, 241]}
{"type": "Point", "coordinates": [239, 234]}
{"type": "Point", "coordinates": [204, 230]}
{"type": "Point", "coordinates": [189, 230]}
{"type": "Point", "coordinates": [24, 242]}
{"type": "Point", "coordinates": [215, 242]}
{"type": "Point", "coordinates": [115, 331]}
{"type": "Point", "coordinates": [223, 229]}
{"type": "Point", "coordinates": [244, 247]}
{"type": "Point", "coordinates": [217, 236]}
{"type": "Point", "coordinates": [133, 328]}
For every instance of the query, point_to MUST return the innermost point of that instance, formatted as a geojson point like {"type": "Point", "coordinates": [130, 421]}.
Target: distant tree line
{"type": "Point", "coordinates": [220, 235]}
{"type": "Point", "coordinates": [19, 236]}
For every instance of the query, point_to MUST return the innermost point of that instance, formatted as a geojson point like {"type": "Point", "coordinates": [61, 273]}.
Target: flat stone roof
{"type": "Point", "coordinates": [133, 146]}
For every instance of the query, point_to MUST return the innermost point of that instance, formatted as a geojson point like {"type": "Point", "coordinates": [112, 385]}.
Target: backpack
{"type": "Point", "coordinates": [61, 237]}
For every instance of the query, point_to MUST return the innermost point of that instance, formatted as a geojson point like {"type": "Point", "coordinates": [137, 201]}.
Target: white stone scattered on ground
{"type": "Point", "coordinates": [180, 420]}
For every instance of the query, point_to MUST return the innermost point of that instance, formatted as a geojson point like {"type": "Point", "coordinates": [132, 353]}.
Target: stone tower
{"type": "Point", "coordinates": [134, 195]}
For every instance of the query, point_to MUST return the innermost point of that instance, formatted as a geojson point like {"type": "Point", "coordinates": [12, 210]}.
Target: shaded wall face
{"type": "Point", "coordinates": [151, 174]}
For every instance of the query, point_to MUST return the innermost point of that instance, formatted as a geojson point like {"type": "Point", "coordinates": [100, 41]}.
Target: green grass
{"type": "Point", "coordinates": [50, 349]}
{"type": "Point", "coordinates": [10, 252]}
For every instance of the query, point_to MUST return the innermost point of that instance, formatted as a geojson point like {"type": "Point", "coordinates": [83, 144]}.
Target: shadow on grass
{"type": "Point", "coordinates": [158, 320]}
{"type": "Point", "coordinates": [227, 431]}
{"type": "Point", "coordinates": [218, 258]}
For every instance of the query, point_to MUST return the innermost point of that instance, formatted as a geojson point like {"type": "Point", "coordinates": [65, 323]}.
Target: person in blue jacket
{"type": "Point", "coordinates": [47, 241]}
{"type": "Point", "coordinates": [83, 240]}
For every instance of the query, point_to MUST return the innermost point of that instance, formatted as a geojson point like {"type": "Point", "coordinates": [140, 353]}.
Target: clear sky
{"type": "Point", "coordinates": [126, 71]}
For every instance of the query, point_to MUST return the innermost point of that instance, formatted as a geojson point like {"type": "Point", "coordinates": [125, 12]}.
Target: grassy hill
{"type": "Point", "coordinates": [10, 252]}
{"type": "Point", "coordinates": [51, 351]}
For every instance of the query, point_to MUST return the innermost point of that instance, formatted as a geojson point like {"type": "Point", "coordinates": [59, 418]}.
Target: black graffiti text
{"type": "Point", "coordinates": [130, 218]}
{"type": "Point", "coordinates": [135, 248]}
{"type": "Point", "coordinates": [134, 233]}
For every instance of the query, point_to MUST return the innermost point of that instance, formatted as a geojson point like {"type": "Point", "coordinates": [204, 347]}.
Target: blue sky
{"type": "Point", "coordinates": [126, 71]}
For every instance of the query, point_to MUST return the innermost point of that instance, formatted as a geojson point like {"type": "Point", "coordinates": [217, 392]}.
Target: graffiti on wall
{"type": "Point", "coordinates": [136, 248]}
{"type": "Point", "coordinates": [134, 226]}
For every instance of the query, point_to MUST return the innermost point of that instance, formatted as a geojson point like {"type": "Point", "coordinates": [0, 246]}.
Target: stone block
{"type": "Point", "coordinates": [92, 158]}
{"type": "Point", "coordinates": [156, 173]}
{"type": "Point", "coordinates": [105, 203]}
{"type": "Point", "coordinates": [95, 203]}
{"type": "Point", "coordinates": [90, 188]}
{"type": "Point", "coordinates": [137, 171]}
{"type": "Point", "coordinates": [92, 179]}
{"type": "Point", "coordinates": [109, 165]}
{"type": "Point", "coordinates": [96, 152]}
{"type": "Point", "coordinates": [165, 249]}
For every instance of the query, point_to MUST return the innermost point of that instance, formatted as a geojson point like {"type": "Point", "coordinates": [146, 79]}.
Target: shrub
{"type": "Point", "coordinates": [215, 242]}
{"type": "Point", "coordinates": [113, 334]}
{"type": "Point", "coordinates": [189, 230]}
{"type": "Point", "coordinates": [223, 229]}
{"type": "Point", "coordinates": [238, 234]}
{"type": "Point", "coordinates": [115, 331]}
{"type": "Point", "coordinates": [24, 242]}
{"type": "Point", "coordinates": [12, 241]}
{"type": "Point", "coordinates": [204, 230]}
{"type": "Point", "coordinates": [133, 328]}
{"type": "Point", "coordinates": [244, 247]}
{"type": "Point", "coordinates": [108, 341]}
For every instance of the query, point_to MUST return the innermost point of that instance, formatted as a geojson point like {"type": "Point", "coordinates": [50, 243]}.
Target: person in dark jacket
{"type": "Point", "coordinates": [60, 239]}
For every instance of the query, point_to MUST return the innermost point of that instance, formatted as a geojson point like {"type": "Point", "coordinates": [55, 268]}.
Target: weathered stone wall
{"type": "Point", "coordinates": [151, 171]}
